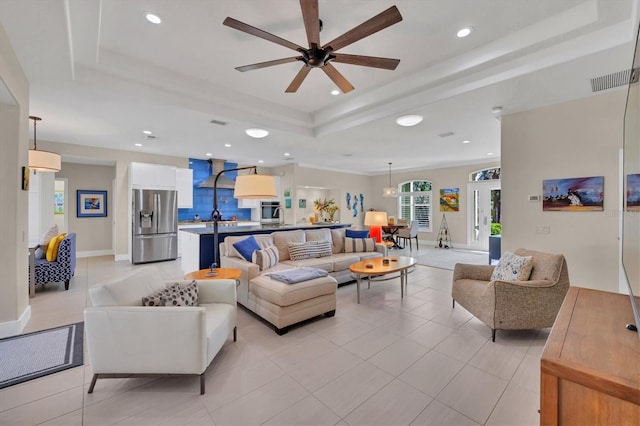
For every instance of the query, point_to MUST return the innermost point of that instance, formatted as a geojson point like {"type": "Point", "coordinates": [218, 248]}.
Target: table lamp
{"type": "Point", "coordinates": [375, 221]}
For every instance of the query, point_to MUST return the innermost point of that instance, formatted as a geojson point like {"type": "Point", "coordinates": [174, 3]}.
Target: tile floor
{"type": "Point", "coordinates": [387, 361]}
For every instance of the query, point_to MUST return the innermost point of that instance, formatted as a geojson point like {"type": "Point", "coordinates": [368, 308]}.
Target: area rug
{"type": "Point", "coordinates": [447, 258]}
{"type": "Point", "coordinates": [29, 356]}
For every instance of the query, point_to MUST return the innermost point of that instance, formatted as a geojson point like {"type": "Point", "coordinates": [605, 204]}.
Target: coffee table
{"type": "Point", "coordinates": [221, 273]}
{"type": "Point", "coordinates": [399, 264]}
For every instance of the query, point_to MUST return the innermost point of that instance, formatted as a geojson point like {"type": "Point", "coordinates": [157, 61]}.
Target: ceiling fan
{"type": "Point", "coordinates": [321, 56]}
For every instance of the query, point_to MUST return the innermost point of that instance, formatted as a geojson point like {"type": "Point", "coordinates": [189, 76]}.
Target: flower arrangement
{"type": "Point", "coordinates": [327, 206]}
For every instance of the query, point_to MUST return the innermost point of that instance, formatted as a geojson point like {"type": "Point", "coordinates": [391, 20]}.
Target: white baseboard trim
{"type": "Point", "coordinates": [121, 257]}
{"type": "Point", "coordinates": [94, 253]}
{"type": "Point", "coordinates": [12, 328]}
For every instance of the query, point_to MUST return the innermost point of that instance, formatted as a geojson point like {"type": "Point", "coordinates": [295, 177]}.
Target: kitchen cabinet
{"type": "Point", "coordinates": [184, 185]}
{"type": "Point", "coordinates": [151, 176]}
{"type": "Point", "coordinates": [248, 223]}
{"type": "Point", "coordinates": [248, 204]}
{"type": "Point", "coordinates": [183, 235]}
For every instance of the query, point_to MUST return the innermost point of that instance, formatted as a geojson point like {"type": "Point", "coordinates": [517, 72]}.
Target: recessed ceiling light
{"type": "Point", "coordinates": [286, 154]}
{"type": "Point", "coordinates": [260, 161]}
{"type": "Point", "coordinates": [228, 145]}
{"type": "Point", "coordinates": [154, 19]}
{"type": "Point", "coordinates": [138, 144]}
{"type": "Point", "coordinates": [466, 141]}
{"type": "Point", "coordinates": [335, 92]}
{"type": "Point", "coordinates": [256, 133]}
{"type": "Point", "coordinates": [489, 153]}
{"type": "Point", "coordinates": [496, 109]}
{"type": "Point", "coordinates": [147, 132]}
{"type": "Point", "coordinates": [208, 154]}
{"type": "Point", "coordinates": [463, 32]}
{"type": "Point", "coordinates": [408, 120]}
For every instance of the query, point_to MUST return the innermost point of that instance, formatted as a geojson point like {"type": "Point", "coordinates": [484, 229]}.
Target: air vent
{"type": "Point", "coordinates": [151, 137]}
{"type": "Point", "coordinates": [616, 79]}
{"type": "Point", "coordinates": [219, 122]}
{"type": "Point", "coordinates": [446, 134]}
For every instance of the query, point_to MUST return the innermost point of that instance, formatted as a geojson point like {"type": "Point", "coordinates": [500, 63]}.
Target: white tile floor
{"type": "Point", "coordinates": [387, 361]}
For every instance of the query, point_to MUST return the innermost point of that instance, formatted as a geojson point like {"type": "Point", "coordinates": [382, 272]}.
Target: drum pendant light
{"type": "Point", "coordinates": [42, 161]}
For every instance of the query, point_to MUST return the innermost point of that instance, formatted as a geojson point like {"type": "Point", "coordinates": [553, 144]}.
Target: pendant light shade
{"type": "Point", "coordinates": [390, 191]}
{"type": "Point", "coordinates": [42, 161]}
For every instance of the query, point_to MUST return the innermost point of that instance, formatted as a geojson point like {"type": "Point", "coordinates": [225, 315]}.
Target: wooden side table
{"type": "Point", "coordinates": [221, 273]}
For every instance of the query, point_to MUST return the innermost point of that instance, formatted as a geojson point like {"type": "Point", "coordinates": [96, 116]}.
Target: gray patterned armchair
{"type": "Point", "coordinates": [513, 305]}
{"type": "Point", "coordinates": [63, 268]}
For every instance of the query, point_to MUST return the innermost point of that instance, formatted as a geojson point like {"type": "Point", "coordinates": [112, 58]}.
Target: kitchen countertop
{"type": "Point", "coordinates": [206, 230]}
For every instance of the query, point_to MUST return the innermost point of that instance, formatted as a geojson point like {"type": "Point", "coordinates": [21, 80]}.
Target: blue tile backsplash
{"type": "Point", "coordinates": [203, 197]}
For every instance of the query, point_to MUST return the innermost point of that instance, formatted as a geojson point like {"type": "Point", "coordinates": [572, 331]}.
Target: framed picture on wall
{"type": "Point", "coordinates": [91, 203]}
{"type": "Point", "coordinates": [302, 203]}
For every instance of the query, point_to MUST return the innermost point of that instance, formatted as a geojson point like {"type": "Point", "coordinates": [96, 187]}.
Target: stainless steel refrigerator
{"type": "Point", "coordinates": [155, 225]}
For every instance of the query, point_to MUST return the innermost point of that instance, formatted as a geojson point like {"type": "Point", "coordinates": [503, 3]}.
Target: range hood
{"type": "Point", "coordinates": [224, 182]}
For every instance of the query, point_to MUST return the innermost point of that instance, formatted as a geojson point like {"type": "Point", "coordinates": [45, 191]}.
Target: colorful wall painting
{"type": "Point", "coordinates": [573, 194]}
{"type": "Point", "coordinates": [633, 193]}
{"type": "Point", "coordinates": [287, 203]}
{"type": "Point", "coordinates": [450, 199]}
{"type": "Point", "coordinates": [58, 202]}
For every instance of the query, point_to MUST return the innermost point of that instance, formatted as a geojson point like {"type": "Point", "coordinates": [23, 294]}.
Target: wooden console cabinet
{"type": "Point", "coordinates": [590, 366]}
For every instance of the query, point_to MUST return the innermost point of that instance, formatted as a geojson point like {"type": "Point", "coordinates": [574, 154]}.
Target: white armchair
{"type": "Point", "coordinates": [126, 339]}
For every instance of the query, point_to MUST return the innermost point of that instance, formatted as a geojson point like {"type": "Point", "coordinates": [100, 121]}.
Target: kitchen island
{"type": "Point", "coordinates": [197, 243]}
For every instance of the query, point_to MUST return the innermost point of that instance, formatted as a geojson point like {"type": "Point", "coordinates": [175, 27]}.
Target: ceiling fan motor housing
{"type": "Point", "coordinates": [316, 57]}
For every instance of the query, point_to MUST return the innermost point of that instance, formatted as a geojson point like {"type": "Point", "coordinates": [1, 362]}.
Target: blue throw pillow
{"type": "Point", "coordinates": [246, 247]}
{"type": "Point", "coordinates": [357, 234]}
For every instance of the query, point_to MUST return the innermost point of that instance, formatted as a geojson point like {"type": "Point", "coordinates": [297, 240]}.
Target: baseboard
{"type": "Point", "coordinates": [121, 257]}
{"type": "Point", "coordinates": [94, 253]}
{"type": "Point", "coordinates": [12, 328]}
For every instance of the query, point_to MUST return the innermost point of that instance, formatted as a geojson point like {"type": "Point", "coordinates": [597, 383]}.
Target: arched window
{"type": "Point", "coordinates": [486, 174]}
{"type": "Point", "coordinates": [414, 202]}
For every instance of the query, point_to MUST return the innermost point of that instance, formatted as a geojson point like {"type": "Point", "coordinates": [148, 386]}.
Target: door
{"type": "Point", "coordinates": [166, 211]}
{"type": "Point", "coordinates": [144, 221]}
{"type": "Point", "coordinates": [484, 201]}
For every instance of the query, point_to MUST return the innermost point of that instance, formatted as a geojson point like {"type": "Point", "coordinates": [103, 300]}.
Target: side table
{"type": "Point", "coordinates": [221, 273]}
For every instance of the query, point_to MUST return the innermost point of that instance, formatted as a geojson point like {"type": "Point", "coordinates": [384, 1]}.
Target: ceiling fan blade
{"type": "Point", "coordinates": [337, 78]}
{"type": "Point", "coordinates": [367, 61]}
{"type": "Point", "coordinates": [379, 22]}
{"type": "Point", "coordinates": [259, 65]}
{"type": "Point", "coordinates": [297, 81]}
{"type": "Point", "coordinates": [311, 20]}
{"type": "Point", "coordinates": [246, 28]}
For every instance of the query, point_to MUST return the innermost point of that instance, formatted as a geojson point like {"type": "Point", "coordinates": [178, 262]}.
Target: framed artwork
{"type": "Point", "coordinates": [302, 203]}
{"type": "Point", "coordinates": [91, 203]}
{"type": "Point", "coordinates": [25, 178]}
{"type": "Point", "coordinates": [287, 203]}
{"type": "Point", "coordinates": [573, 194]}
{"type": "Point", "coordinates": [633, 193]}
{"type": "Point", "coordinates": [450, 199]}
{"type": "Point", "coordinates": [287, 192]}
{"type": "Point", "coordinates": [58, 202]}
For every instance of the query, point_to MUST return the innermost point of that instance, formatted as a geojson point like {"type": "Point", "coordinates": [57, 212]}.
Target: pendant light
{"type": "Point", "coordinates": [42, 161]}
{"type": "Point", "coordinates": [390, 191]}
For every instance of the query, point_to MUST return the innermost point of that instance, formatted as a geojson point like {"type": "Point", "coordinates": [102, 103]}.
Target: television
{"type": "Point", "coordinates": [631, 189]}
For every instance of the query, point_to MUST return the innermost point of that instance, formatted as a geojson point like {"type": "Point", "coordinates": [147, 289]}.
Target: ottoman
{"type": "Point", "coordinates": [284, 304]}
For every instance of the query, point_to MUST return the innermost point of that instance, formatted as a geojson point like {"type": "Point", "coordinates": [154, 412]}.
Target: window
{"type": "Point", "coordinates": [486, 174]}
{"type": "Point", "coordinates": [414, 203]}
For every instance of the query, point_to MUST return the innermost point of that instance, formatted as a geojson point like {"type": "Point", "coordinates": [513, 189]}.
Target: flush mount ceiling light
{"type": "Point", "coordinates": [389, 191]}
{"type": "Point", "coordinates": [42, 161]}
{"type": "Point", "coordinates": [154, 19]}
{"type": "Point", "coordinates": [257, 133]}
{"type": "Point", "coordinates": [463, 32]}
{"type": "Point", "coordinates": [408, 120]}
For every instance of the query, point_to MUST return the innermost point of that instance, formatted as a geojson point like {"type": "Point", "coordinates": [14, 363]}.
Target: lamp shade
{"type": "Point", "coordinates": [254, 186]}
{"type": "Point", "coordinates": [375, 219]}
{"type": "Point", "coordinates": [44, 161]}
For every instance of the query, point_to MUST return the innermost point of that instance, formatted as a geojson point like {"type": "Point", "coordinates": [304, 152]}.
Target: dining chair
{"type": "Point", "coordinates": [408, 234]}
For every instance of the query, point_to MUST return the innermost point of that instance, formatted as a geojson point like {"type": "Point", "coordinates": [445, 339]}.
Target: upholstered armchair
{"type": "Point", "coordinates": [61, 269]}
{"type": "Point", "coordinates": [513, 305]}
{"type": "Point", "coordinates": [126, 339]}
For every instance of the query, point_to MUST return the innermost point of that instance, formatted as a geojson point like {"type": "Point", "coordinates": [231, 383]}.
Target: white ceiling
{"type": "Point", "coordinates": [100, 74]}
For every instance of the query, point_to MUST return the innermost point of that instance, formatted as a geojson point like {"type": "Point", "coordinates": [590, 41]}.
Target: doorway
{"type": "Point", "coordinates": [484, 201]}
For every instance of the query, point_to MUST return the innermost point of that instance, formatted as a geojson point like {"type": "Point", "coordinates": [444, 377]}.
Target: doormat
{"type": "Point", "coordinates": [30, 356]}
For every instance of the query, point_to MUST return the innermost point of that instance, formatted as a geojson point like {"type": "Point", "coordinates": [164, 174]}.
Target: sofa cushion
{"type": "Point", "coordinates": [282, 294]}
{"type": "Point", "coordinates": [342, 261]}
{"type": "Point", "coordinates": [281, 239]}
{"type": "Point", "coordinates": [229, 250]}
{"type": "Point", "coordinates": [325, 263]}
{"type": "Point", "coordinates": [323, 234]}
{"type": "Point", "coordinates": [352, 233]}
{"type": "Point", "coordinates": [54, 245]}
{"type": "Point", "coordinates": [354, 245]}
{"type": "Point", "coordinates": [246, 247]}
{"type": "Point", "coordinates": [512, 267]}
{"type": "Point", "coordinates": [337, 237]}
{"type": "Point", "coordinates": [266, 258]}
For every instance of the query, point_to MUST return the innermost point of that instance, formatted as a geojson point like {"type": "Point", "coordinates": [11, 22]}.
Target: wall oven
{"type": "Point", "coordinates": [270, 212]}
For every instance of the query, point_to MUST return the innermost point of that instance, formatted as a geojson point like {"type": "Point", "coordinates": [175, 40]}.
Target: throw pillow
{"type": "Point", "coordinates": [309, 250]}
{"type": "Point", "coordinates": [266, 258]}
{"type": "Point", "coordinates": [512, 267]}
{"type": "Point", "coordinates": [52, 248]}
{"type": "Point", "coordinates": [246, 247]}
{"type": "Point", "coordinates": [40, 253]}
{"type": "Point", "coordinates": [47, 236]}
{"type": "Point", "coordinates": [183, 295]}
{"type": "Point", "coordinates": [159, 298]}
{"type": "Point", "coordinates": [351, 233]}
{"type": "Point", "coordinates": [354, 245]}
{"type": "Point", "coordinates": [324, 248]}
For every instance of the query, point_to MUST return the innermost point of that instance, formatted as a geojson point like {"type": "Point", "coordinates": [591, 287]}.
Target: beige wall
{"type": "Point", "coordinates": [573, 139]}
{"type": "Point", "coordinates": [14, 144]}
{"type": "Point", "coordinates": [93, 234]}
{"type": "Point", "coordinates": [449, 177]}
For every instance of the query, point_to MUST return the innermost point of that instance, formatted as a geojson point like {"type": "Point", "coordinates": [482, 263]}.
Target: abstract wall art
{"type": "Point", "coordinates": [573, 194]}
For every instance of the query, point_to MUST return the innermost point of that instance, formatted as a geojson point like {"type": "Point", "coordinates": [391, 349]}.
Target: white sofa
{"type": "Point", "coordinates": [126, 339]}
{"type": "Point", "coordinates": [285, 304]}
